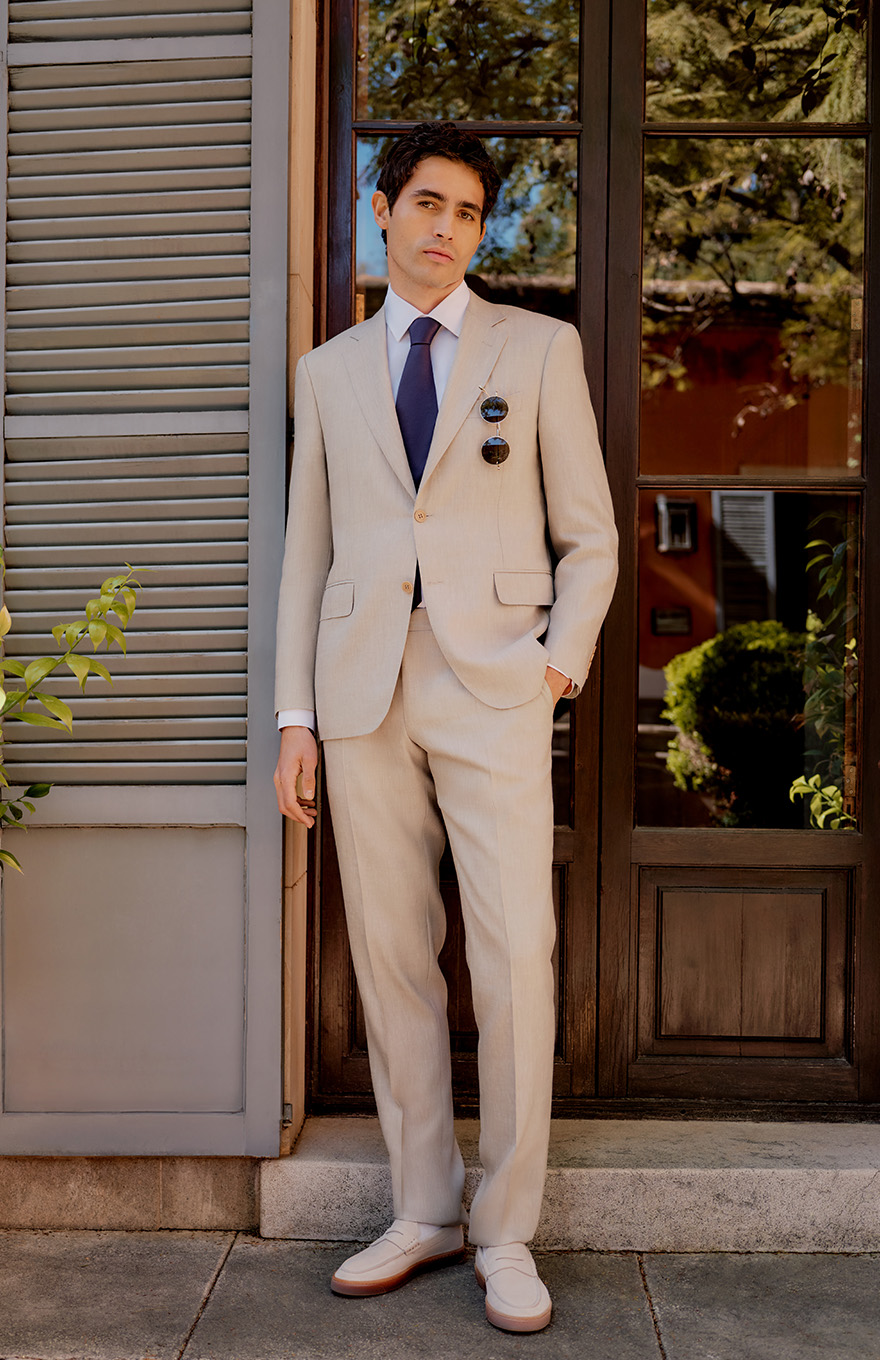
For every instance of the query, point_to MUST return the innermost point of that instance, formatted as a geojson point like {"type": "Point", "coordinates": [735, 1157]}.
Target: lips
{"type": "Point", "coordinates": [439, 255]}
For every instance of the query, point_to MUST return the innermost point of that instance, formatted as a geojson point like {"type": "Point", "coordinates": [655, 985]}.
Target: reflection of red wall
{"type": "Point", "coordinates": [730, 368]}
{"type": "Point", "coordinates": [670, 579]}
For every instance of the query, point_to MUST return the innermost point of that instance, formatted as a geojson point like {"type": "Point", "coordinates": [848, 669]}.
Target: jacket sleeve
{"type": "Point", "coordinates": [307, 553]}
{"type": "Point", "coordinates": [579, 512]}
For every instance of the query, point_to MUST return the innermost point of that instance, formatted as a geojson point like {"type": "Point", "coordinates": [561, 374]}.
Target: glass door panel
{"type": "Point", "coordinates": [527, 257]}
{"type": "Point", "coordinates": [781, 62]}
{"type": "Point", "coordinates": [748, 659]}
{"type": "Point", "coordinates": [467, 60]}
{"type": "Point", "coordinates": [752, 306]}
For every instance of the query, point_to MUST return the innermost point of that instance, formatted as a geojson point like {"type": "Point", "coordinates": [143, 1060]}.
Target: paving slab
{"type": "Point", "coordinates": [103, 1295]}
{"type": "Point", "coordinates": [273, 1302]}
{"type": "Point", "coordinates": [767, 1307]}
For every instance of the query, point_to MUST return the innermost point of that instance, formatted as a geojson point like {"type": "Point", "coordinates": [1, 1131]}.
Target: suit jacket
{"type": "Point", "coordinates": [517, 561]}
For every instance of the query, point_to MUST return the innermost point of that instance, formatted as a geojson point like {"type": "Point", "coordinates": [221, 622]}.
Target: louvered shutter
{"type": "Point", "coordinates": [144, 420]}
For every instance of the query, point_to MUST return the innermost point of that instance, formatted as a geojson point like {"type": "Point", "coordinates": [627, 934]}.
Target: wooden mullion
{"type": "Point", "coordinates": [483, 127]}
{"type": "Point", "coordinates": [729, 130]}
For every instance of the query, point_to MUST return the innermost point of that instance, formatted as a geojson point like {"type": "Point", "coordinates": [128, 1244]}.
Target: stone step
{"type": "Point", "coordinates": [615, 1185]}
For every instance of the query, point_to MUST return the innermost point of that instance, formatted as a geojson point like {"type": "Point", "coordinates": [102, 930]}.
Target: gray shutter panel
{"type": "Point", "coordinates": [128, 256]}
{"type": "Point", "coordinates": [146, 269]}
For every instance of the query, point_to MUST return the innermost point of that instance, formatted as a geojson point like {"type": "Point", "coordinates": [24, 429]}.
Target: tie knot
{"type": "Point", "coordinates": [423, 330]}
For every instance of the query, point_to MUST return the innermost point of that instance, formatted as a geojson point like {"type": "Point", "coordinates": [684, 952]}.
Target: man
{"type": "Point", "coordinates": [408, 490]}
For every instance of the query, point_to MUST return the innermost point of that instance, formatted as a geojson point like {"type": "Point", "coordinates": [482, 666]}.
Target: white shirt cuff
{"type": "Point", "coordinates": [296, 717]}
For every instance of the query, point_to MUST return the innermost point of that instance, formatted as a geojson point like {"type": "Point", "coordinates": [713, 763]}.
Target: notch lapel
{"type": "Point", "coordinates": [483, 337]}
{"type": "Point", "coordinates": [366, 359]}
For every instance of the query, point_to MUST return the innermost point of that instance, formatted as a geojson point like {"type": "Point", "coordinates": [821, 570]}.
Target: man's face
{"type": "Point", "coordinates": [433, 230]}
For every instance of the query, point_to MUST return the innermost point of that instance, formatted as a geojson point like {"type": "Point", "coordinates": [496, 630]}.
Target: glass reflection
{"type": "Point", "coordinates": [748, 659]}
{"type": "Point", "coordinates": [709, 60]}
{"type": "Point", "coordinates": [752, 306]}
{"type": "Point", "coordinates": [527, 257]}
{"type": "Point", "coordinates": [467, 59]}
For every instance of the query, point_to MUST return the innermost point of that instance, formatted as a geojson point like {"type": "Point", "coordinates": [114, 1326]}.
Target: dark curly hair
{"type": "Point", "coordinates": [437, 139]}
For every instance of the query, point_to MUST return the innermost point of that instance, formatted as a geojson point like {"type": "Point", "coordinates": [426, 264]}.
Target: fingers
{"type": "Point", "coordinates": [295, 775]}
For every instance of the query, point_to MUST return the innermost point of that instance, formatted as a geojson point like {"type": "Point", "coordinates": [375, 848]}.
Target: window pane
{"type": "Point", "coordinates": [468, 59]}
{"type": "Point", "coordinates": [527, 257]}
{"type": "Point", "coordinates": [720, 59]}
{"type": "Point", "coordinates": [752, 306]}
{"type": "Point", "coordinates": [748, 659]}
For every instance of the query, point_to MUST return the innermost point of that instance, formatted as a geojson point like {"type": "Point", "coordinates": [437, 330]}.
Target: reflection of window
{"type": "Point", "coordinates": [745, 556]}
{"type": "Point", "coordinates": [676, 525]}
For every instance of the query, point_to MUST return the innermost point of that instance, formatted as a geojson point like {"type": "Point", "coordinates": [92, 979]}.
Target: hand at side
{"type": "Point", "coordinates": [298, 756]}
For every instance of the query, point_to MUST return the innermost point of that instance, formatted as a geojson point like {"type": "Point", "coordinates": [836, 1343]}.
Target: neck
{"type": "Point", "coordinates": [425, 299]}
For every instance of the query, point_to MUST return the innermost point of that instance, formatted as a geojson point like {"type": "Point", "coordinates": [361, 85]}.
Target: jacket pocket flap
{"type": "Point", "coordinates": [338, 600]}
{"type": "Point", "coordinates": [524, 587]}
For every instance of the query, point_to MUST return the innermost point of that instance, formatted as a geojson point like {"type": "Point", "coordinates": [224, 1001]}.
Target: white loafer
{"type": "Point", "coordinates": [395, 1256]}
{"type": "Point", "coordinates": [516, 1299]}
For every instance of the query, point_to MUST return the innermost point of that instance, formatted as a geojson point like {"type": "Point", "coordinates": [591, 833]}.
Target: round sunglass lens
{"type": "Point", "coordinates": [495, 449]}
{"type": "Point", "coordinates": [494, 408]}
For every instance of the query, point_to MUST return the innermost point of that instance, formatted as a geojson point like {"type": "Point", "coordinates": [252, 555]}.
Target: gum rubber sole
{"type": "Point", "coordinates": [364, 1289]}
{"type": "Point", "coordinates": [505, 1323]}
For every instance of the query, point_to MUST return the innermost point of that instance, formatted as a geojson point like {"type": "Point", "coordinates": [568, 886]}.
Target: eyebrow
{"type": "Point", "coordinates": [441, 198]}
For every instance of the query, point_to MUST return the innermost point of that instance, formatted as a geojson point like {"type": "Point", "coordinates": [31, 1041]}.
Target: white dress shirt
{"type": "Point", "coordinates": [399, 316]}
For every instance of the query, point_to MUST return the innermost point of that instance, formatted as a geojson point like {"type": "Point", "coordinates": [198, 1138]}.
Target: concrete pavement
{"type": "Point", "coordinates": [236, 1296]}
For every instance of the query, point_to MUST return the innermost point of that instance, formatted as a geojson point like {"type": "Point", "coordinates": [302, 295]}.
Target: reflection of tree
{"type": "Point", "coordinates": [733, 701]}
{"type": "Point", "coordinates": [767, 230]}
{"type": "Point", "coordinates": [466, 59]}
{"type": "Point", "coordinates": [831, 670]}
{"type": "Point", "coordinates": [711, 59]}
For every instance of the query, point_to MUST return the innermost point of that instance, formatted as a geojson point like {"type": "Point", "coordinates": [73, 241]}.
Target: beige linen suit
{"type": "Point", "coordinates": [439, 720]}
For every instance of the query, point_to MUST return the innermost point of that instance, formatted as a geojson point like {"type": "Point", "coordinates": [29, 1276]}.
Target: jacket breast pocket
{"type": "Point", "coordinates": [338, 600]}
{"type": "Point", "coordinates": [525, 587]}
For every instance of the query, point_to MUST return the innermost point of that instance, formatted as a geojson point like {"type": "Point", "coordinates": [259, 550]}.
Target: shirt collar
{"type": "Point", "coordinates": [399, 315]}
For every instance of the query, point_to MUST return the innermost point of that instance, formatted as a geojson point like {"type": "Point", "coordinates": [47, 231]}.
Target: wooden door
{"type": "Point", "coordinates": [701, 211]}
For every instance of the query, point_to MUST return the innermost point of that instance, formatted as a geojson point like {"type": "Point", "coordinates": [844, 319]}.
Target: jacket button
{"type": "Point", "coordinates": [407, 588]}
{"type": "Point", "coordinates": [420, 516]}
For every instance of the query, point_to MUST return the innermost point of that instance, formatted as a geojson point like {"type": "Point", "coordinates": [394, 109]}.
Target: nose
{"type": "Point", "coordinates": [443, 226]}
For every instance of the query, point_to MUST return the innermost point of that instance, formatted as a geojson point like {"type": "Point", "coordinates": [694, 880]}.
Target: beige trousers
{"type": "Point", "coordinates": [442, 756]}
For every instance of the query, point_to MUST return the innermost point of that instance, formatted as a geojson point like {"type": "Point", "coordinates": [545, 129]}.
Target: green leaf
{"type": "Point", "coordinates": [36, 720]}
{"type": "Point", "coordinates": [58, 708]}
{"type": "Point", "coordinates": [130, 599]}
{"type": "Point", "coordinates": [80, 667]}
{"type": "Point", "coordinates": [58, 633]}
{"type": "Point", "coordinates": [38, 670]}
{"type": "Point", "coordinates": [121, 611]}
{"type": "Point", "coordinates": [37, 790]}
{"type": "Point", "coordinates": [5, 620]}
{"type": "Point", "coordinates": [116, 635]}
{"type": "Point", "coordinates": [100, 669]}
{"type": "Point", "coordinates": [13, 667]}
{"type": "Point", "coordinates": [93, 609]}
{"type": "Point", "coordinates": [73, 632]}
{"type": "Point", "coordinates": [7, 857]}
{"type": "Point", "coordinates": [97, 633]}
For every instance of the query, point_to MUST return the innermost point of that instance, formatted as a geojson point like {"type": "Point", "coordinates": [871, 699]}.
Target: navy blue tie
{"type": "Point", "coordinates": [417, 397]}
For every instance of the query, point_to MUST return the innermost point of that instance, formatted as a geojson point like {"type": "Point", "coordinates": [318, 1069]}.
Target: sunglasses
{"type": "Point", "coordinates": [495, 449]}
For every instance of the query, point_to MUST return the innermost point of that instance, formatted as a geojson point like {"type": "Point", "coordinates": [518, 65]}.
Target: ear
{"type": "Point", "coordinates": [482, 234]}
{"type": "Point", "coordinates": [381, 210]}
